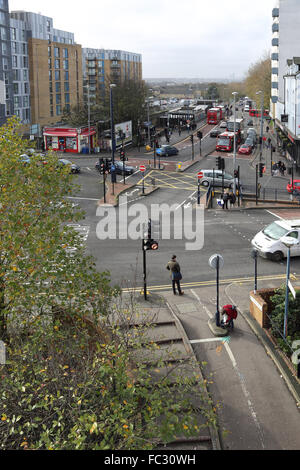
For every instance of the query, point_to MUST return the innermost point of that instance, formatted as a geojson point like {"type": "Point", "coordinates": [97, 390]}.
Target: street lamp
{"type": "Point", "coordinates": [254, 255]}
{"type": "Point", "coordinates": [262, 96]}
{"type": "Point", "coordinates": [89, 117]}
{"type": "Point", "coordinates": [113, 139]}
{"type": "Point", "coordinates": [289, 242]}
{"type": "Point", "coordinates": [234, 142]}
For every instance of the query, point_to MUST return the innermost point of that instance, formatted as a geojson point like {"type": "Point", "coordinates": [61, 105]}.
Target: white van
{"type": "Point", "coordinates": [269, 242]}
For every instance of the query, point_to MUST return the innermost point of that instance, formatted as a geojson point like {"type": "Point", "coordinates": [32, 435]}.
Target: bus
{"type": "Point", "coordinates": [214, 115]}
{"type": "Point", "coordinates": [257, 113]}
{"type": "Point", "coordinates": [239, 127]}
{"type": "Point", "coordinates": [225, 142]}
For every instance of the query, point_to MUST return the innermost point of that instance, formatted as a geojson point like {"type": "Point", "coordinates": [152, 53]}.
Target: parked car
{"type": "Point", "coordinates": [73, 167]}
{"type": "Point", "coordinates": [215, 133]}
{"type": "Point", "coordinates": [210, 176]}
{"type": "Point", "coordinates": [250, 122]}
{"type": "Point", "coordinates": [295, 187]}
{"type": "Point", "coordinates": [166, 151]}
{"type": "Point", "coordinates": [245, 149]}
{"type": "Point", "coordinates": [25, 159]}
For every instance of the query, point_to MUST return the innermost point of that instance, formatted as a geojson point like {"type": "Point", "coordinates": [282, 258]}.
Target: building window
{"type": "Point", "coordinates": [25, 75]}
{"type": "Point", "coordinates": [48, 26]}
{"type": "Point", "coordinates": [50, 87]}
{"type": "Point", "coordinates": [67, 86]}
{"type": "Point", "coordinates": [57, 87]}
{"type": "Point", "coordinates": [15, 61]}
{"type": "Point", "coordinates": [66, 76]}
{"type": "Point", "coordinates": [25, 101]}
{"type": "Point", "coordinates": [51, 99]}
{"type": "Point", "coordinates": [16, 88]}
{"type": "Point", "coordinates": [51, 111]}
{"type": "Point", "coordinates": [13, 33]}
{"type": "Point", "coordinates": [25, 62]}
{"type": "Point", "coordinates": [67, 97]}
{"type": "Point", "coordinates": [66, 53]}
{"type": "Point", "coordinates": [58, 110]}
{"type": "Point", "coordinates": [26, 88]}
{"type": "Point", "coordinates": [56, 52]}
{"type": "Point", "coordinates": [14, 48]}
{"type": "Point", "coordinates": [50, 63]}
{"type": "Point", "coordinates": [57, 64]}
{"type": "Point", "coordinates": [57, 75]}
{"type": "Point", "coordinates": [66, 64]}
{"type": "Point", "coordinates": [49, 51]}
{"type": "Point", "coordinates": [50, 76]}
{"type": "Point", "coordinates": [58, 99]}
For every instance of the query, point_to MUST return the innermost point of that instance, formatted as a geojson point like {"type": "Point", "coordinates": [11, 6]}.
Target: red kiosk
{"type": "Point", "coordinates": [70, 140]}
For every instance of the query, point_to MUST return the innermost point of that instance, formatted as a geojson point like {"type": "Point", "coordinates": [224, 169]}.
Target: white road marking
{"type": "Point", "coordinates": [278, 216]}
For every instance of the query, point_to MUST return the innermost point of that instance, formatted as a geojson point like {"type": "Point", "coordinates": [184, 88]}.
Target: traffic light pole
{"type": "Point", "coordinates": [104, 187]}
{"type": "Point", "coordinates": [256, 184]}
{"type": "Point", "coordinates": [144, 269]}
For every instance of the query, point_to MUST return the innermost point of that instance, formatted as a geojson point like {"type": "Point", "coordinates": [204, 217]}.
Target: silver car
{"type": "Point", "coordinates": [211, 177]}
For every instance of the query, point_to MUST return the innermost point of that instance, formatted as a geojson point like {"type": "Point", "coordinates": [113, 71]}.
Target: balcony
{"type": "Point", "coordinates": [275, 12]}
{"type": "Point", "coordinates": [275, 28]}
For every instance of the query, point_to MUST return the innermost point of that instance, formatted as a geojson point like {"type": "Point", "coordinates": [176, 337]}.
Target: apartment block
{"type": "Point", "coordinates": [102, 66]}
{"type": "Point", "coordinates": [6, 91]}
{"type": "Point", "coordinates": [285, 76]}
{"type": "Point", "coordinates": [54, 67]}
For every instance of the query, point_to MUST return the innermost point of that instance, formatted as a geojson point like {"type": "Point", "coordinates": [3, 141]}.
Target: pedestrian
{"type": "Point", "coordinates": [232, 198]}
{"type": "Point", "coordinates": [176, 275]}
{"type": "Point", "coordinates": [267, 128]}
{"type": "Point", "coordinates": [269, 143]}
{"type": "Point", "coordinates": [225, 197]}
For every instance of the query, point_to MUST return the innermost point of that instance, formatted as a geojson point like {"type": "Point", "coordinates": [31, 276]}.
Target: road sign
{"type": "Point", "coordinates": [200, 175]}
{"type": "Point", "coordinates": [142, 168]}
{"type": "Point", "coordinates": [213, 261]}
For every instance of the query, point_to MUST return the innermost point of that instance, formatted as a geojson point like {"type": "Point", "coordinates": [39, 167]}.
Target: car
{"type": "Point", "coordinates": [215, 133]}
{"type": "Point", "coordinates": [129, 170]}
{"type": "Point", "coordinates": [166, 150]}
{"type": "Point", "coordinates": [223, 125]}
{"type": "Point", "coordinates": [252, 135]}
{"type": "Point", "coordinates": [245, 149]}
{"type": "Point", "coordinates": [250, 122]}
{"type": "Point", "coordinates": [216, 177]}
{"type": "Point", "coordinates": [295, 187]}
{"type": "Point", "coordinates": [73, 167]}
{"type": "Point", "coordinates": [250, 142]}
{"type": "Point", "coordinates": [25, 159]}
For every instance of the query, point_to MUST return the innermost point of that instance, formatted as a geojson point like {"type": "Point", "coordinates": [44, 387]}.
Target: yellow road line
{"type": "Point", "coordinates": [213, 282]}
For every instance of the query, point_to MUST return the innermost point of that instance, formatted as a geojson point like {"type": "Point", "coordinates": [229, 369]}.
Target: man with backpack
{"type": "Point", "coordinates": [176, 276]}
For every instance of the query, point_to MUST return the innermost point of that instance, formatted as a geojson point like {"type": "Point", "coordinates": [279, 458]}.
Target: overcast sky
{"type": "Point", "coordinates": [177, 38]}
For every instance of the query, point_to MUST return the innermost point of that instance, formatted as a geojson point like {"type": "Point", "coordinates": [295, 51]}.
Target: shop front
{"type": "Point", "coordinates": [70, 140]}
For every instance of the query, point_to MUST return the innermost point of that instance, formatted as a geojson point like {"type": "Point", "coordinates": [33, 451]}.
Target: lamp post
{"type": "Point", "coordinates": [89, 118]}
{"type": "Point", "coordinates": [113, 137]}
{"type": "Point", "coordinates": [289, 242]}
{"type": "Point", "coordinates": [254, 255]}
{"type": "Point", "coordinates": [261, 93]}
{"type": "Point", "coordinates": [234, 141]}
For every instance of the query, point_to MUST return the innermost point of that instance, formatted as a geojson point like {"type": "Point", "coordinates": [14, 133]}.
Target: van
{"type": "Point", "coordinates": [246, 107]}
{"type": "Point", "coordinates": [210, 177]}
{"type": "Point", "coordinates": [269, 242]}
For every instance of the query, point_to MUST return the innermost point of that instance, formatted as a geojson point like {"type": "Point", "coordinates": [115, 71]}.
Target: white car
{"type": "Point", "coordinates": [223, 124]}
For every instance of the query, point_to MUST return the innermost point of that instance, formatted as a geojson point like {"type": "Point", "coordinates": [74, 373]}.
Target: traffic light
{"type": "Point", "coordinates": [122, 156]}
{"type": "Point", "coordinates": [101, 166]}
{"type": "Point", "coordinates": [236, 173]}
{"type": "Point", "coordinates": [199, 135]}
{"type": "Point", "coordinates": [150, 245]}
{"type": "Point", "coordinates": [219, 163]}
{"type": "Point", "coordinates": [261, 170]}
{"type": "Point", "coordinates": [107, 165]}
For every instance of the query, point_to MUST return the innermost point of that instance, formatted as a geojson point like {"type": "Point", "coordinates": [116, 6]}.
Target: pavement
{"type": "Point", "coordinates": [259, 395]}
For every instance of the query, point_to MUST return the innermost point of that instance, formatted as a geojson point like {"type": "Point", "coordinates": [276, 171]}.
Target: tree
{"type": "Point", "coordinates": [259, 78]}
{"type": "Point", "coordinates": [42, 260]}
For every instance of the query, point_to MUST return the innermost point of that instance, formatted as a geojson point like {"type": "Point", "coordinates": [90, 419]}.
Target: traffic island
{"type": "Point", "coordinates": [113, 196]}
{"type": "Point", "coordinates": [217, 330]}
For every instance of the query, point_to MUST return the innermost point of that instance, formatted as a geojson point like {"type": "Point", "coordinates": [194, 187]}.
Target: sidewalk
{"type": "Point", "coordinates": [259, 397]}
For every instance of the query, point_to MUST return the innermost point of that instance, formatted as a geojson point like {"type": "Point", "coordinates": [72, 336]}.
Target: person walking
{"type": "Point", "coordinates": [225, 197]}
{"type": "Point", "coordinates": [176, 275]}
{"type": "Point", "coordinates": [232, 198]}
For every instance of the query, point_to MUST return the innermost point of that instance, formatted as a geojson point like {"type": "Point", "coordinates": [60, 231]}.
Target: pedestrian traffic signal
{"type": "Point", "coordinates": [261, 170]}
{"type": "Point", "coordinates": [236, 173]}
{"type": "Point", "coordinates": [199, 135]}
{"type": "Point", "coordinates": [150, 245]}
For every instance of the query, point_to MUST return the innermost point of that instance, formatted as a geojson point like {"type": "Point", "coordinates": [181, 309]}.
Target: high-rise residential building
{"type": "Point", "coordinates": [102, 66]}
{"type": "Point", "coordinates": [285, 64]}
{"type": "Point", "coordinates": [6, 91]}
{"type": "Point", "coordinates": [54, 65]}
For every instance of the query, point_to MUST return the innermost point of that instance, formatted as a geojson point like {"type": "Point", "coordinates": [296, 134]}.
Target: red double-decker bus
{"type": "Point", "coordinates": [214, 115]}
{"type": "Point", "coordinates": [257, 113]}
{"type": "Point", "coordinates": [225, 141]}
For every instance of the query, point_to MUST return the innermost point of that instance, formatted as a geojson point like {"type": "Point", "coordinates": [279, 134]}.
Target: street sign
{"type": "Point", "coordinates": [142, 168]}
{"type": "Point", "coordinates": [200, 175]}
{"type": "Point", "coordinates": [213, 261]}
